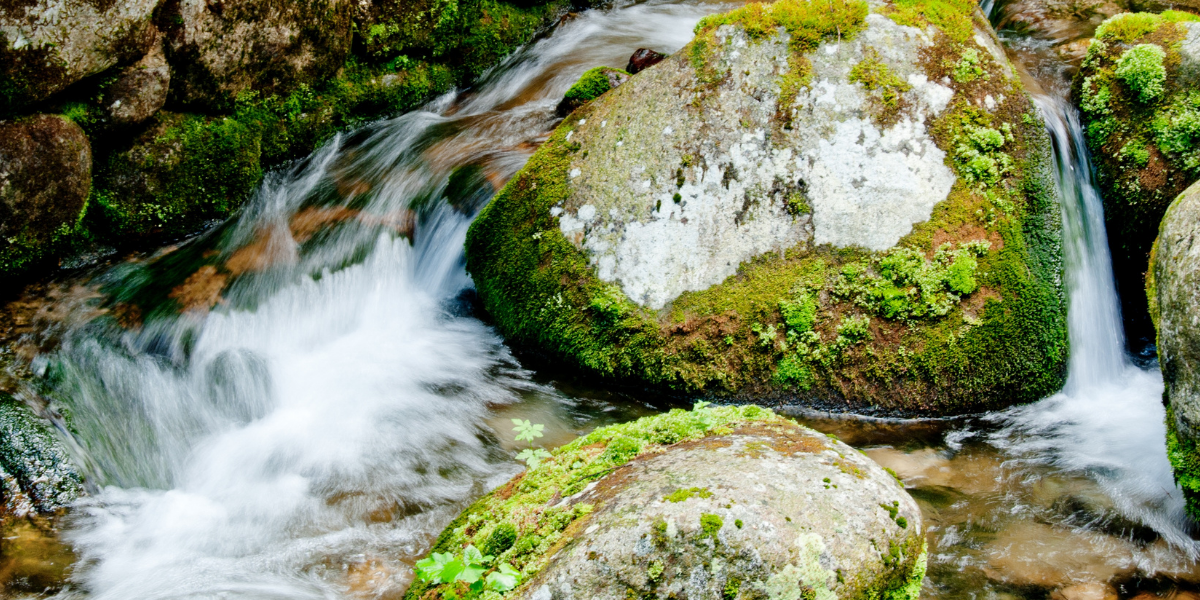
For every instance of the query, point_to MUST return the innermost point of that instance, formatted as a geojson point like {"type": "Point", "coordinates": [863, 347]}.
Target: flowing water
{"type": "Point", "coordinates": [328, 402]}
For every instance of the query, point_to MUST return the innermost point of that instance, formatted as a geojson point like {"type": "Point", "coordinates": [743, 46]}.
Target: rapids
{"type": "Point", "coordinates": [309, 435]}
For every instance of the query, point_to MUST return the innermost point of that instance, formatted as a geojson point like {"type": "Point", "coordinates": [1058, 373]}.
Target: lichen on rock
{"type": "Point", "coordinates": [1137, 93]}
{"type": "Point", "coordinates": [34, 461]}
{"type": "Point", "coordinates": [777, 511]}
{"type": "Point", "coordinates": [787, 153]}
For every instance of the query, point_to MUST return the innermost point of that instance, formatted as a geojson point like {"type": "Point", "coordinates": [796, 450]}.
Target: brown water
{"type": "Point", "coordinates": [328, 402]}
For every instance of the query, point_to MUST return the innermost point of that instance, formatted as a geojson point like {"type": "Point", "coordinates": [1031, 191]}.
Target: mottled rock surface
{"type": "Point", "coordinates": [45, 178]}
{"type": "Point", "coordinates": [46, 45]}
{"type": "Point", "coordinates": [32, 458]}
{"type": "Point", "coordinates": [1173, 289]}
{"type": "Point", "coordinates": [716, 503]}
{"type": "Point", "coordinates": [140, 90]}
{"type": "Point", "coordinates": [797, 209]}
{"type": "Point", "coordinates": [219, 50]}
{"type": "Point", "coordinates": [1146, 147]}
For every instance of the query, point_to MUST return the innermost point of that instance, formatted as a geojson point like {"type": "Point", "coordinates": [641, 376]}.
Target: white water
{"type": "Point", "coordinates": [309, 436]}
{"type": "Point", "coordinates": [1108, 421]}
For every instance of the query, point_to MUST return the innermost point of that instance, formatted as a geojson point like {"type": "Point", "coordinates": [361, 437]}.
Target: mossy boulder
{"type": "Point", "coordinates": [840, 203]}
{"type": "Point", "coordinates": [219, 50]}
{"type": "Point", "coordinates": [45, 179]}
{"type": "Point", "coordinates": [730, 502]}
{"type": "Point", "coordinates": [180, 173]}
{"type": "Point", "coordinates": [1173, 291]}
{"type": "Point", "coordinates": [140, 90]}
{"type": "Point", "coordinates": [1138, 90]}
{"type": "Point", "coordinates": [47, 45]}
{"type": "Point", "coordinates": [33, 460]}
{"type": "Point", "coordinates": [591, 85]}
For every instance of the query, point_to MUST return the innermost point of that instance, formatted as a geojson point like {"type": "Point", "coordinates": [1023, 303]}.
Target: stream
{"type": "Point", "coordinates": [306, 428]}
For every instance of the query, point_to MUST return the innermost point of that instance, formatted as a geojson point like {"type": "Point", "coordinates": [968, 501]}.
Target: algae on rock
{"type": "Point", "coordinates": [729, 502]}
{"type": "Point", "coordinates": [1138, 93]}
{"type": "Point", "coordinates": [796, 152]}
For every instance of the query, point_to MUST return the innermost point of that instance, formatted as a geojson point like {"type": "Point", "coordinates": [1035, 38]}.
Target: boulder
{"type": "Point", "coordinates": [140, 90]}
{"type": "Point", "coordinates": [221, 49]}
{"type": "Point", "coordinates": [35, 462]}
{"type": "Point", "coordinates": [643, 58]}
{"type": "Point", "coordinates": [178, 175]}
{"type": "Point", "coordinates": [1173, 291]}
{"type": "Point", "coordinates": [841, 203]}
{"type": "Point", "coordinates": [46, 45]}
{"type": "Point", "coordinates": [45, 178]}
{"type": "Point", "coordinates": [1137, 90]}
{"type": "Point", "coordinates": [716, 503]}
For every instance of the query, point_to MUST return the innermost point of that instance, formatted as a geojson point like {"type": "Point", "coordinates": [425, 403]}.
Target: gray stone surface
{"type": "Point", "coordinates": [141, 89]}
{"type": "Point", "coordinates": [774, 511]}
{"type": "Point", "coordinates": [34, 461]}
{"type": "Point", "coordinates": [673, 193]}
{"type": "Point", "coordinates": [1175, 303]}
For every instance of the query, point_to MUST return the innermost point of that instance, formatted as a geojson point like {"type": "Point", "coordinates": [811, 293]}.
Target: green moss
{"type": "Point", "coordinates": [591, 84]}
{"type": "Point", "coordinates": [1141, 68]}
{"type": "Point", "coordinates": [682, 494]}
{"type": "Point", "coordinates": [875, 76]}
{"type": "Point", "coordinates": [1129, 27]}
{"type": "Point", "coordinates": [1185, 463]}
{"type": "Point", "coordinates": [711, 525]}
{"type": "Point", "coordinates": [569, 469]}
{"type": "Point", "coordinates": [951, 17]}
{"type": "Point", "coordinates": [969, 67]}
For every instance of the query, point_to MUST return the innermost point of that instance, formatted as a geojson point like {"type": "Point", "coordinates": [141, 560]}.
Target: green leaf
{"type": "Point", "coordinates": [431, 568]}
{"type": "Point", "coordinates": [526, 431]}
{"type": "Point", "coordinates": [503, 580]}
{"type": "Point", "coordinates": [533, 457]}
{"type": "Point", "coordinates": [451, 571]}
{"type": "Point", "coordinates": [471, 573]}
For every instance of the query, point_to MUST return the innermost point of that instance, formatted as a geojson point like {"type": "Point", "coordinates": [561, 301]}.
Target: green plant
{"type": "Point", "coordinates": [469, 568]}
{"type": "Point", "coordinates": [977, 153]}
{"type": "Point", "coordinates": [1141, 68]}
{"type": "Point", "coordinates": [527, 432]}
{"type": "Point", "coordinates": [1177, 130]}
{"type": "Point", "coordinates": [969, 67]}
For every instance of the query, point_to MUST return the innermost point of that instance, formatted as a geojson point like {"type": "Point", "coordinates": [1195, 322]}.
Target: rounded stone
{"type": "Point", "coordinates": [1173, 289]}
{"type": "Point", "coordinates": [140, 90]}
{"type": "Point", "coordinates": [753, 506]}
{"type": "Point", "coordinates": [45, 179]}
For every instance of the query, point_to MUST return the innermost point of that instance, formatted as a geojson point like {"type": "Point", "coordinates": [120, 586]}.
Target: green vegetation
{"type": "Point", "coordinates": [1185, 463]}
{"type": "Point", "coordinates": [527, 432]}
{"type": "Point", "coordinates": [469, 568]}
{"type": "Point", "coordinates": [904, 285]}
{"type": "Point", "coordinates": [875, 76]}
{"type": "Point", "coordinates": [951, 17]}
{"type": "Point", "coordinates": [591, 85]}
{"type": "Point", "coordinates": [1141, 68]}
{"type": "Point", "coordinates": [1176, 128]}
{"type": "Point", "coordinates": [711, 525]}
{"type": "Point", "coordinates": [682, 494]}
{"type": "Point", "coordinates": [969, 67]}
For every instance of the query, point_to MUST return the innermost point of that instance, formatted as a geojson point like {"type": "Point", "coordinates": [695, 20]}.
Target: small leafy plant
{"type": "Point", "coordinates": [527, 432]}
{"type": "Point", "coordinates": [469, 568]}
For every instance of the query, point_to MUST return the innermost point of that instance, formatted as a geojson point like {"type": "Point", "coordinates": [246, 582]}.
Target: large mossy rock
{"type": "Point", "coordinates": [47, 45]}
{"type": "Point", "coordinates": [1138, 90]}
{"type": "Point", "coordinates": [1173, 290]}
{"type": "Point", "coordinates": [180, 173]}
{"type": "Point", "coordinates": [34, 463]}
{"type": "Point", "coordinates": [717, 503]}
{"type": "Point", "coordinates": [221, 50]}
{"type": "Point", "coordinates": [841, 202]}
{"type": "Point", "coordinates": [45, 179]}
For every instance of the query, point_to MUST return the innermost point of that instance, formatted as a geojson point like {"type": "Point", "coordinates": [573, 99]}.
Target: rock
{"type": "Point", "coordinates": [1146, 152]}
{"type": "Point", "coordinates": [1173, 291]}
{"type": "Point", "coordinates": [140, 89]}
{"type": "Point", "coordinates": [45, 178]}
{"type": "Point", "coordinates": [221, 49]}
{"type": "Point", "coordinates": [590, 86]}
{"type": "Point", "coordinates": [46, 45]}
{"type": "Point", "coordinates": [643, 58]}
{"type": "Point", "coordinates": [730, 502]}
{"type": "Point", "coordinates": [179, 174]}
{"type": "Point", "coordinates": [32, 456]}
{"type": "Point", "coordinates": [774, 213]}
{"type": "Point", "coordinates": [1086, 591]}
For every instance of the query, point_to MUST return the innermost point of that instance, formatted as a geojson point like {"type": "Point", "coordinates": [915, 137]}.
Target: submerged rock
{"type": "Point", "coordinates": [45, 179]}
{"type": "Point", "coordinates": [221, 50]}
{"type": "Point", "coordinates": [1173, 290]}
{"type": "Point", "coordinates": [47, 45]}
{"type": "Point", "coordinates": [846, 202]}
{"type": "Point", "coordinates": [1138, 90]}
{"type": "Point", "coordinates": [32, 458]}
{"type": "Point", "coordinates": [730, 502]}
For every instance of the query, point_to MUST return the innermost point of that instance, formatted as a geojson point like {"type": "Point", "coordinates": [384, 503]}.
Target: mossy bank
{"type": "Point", "coordinates": [1138, 90]}
{"type": "Point", "coordinates": [847, 204]}
{"type": "Point", "coordinates": [730, 502]}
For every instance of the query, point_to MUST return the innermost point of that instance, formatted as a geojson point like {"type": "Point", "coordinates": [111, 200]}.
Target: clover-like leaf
{"type": "Point", "coordinates": [533, 457]}
{"type": "Point", "coordinates": [526, 431]}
